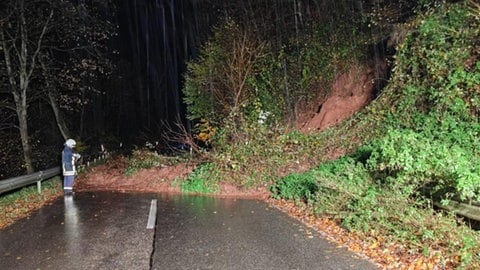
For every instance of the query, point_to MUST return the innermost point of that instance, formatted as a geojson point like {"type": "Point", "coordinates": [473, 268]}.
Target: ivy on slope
{"type": "Point", "coordinates": [431, 108]}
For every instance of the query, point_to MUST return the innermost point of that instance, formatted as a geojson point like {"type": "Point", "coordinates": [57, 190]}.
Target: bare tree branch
{"type": "Point", "coordinates": [39, 44]}
{"type": "Point", "coordinates": [7, 105]}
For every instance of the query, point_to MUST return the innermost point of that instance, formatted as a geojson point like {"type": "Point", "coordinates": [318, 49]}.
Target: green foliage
{"type": "Point", "coordinates": [268, 99]}
{"type": "Point", "coordinates": [436, 62]}
{"type": "Point", "coordinates": [262, 153]}
{"type": "Point", "coordinates": [142, 159]}
{"type": "Point", "coordinates": [328, 51]}
{"type": "Point", "coordinates": [145, 159]}
{"type": "Point", "coordinates": [329, 187]}
{"type": "Point", "coordinates": [445, 159]}
{"type": "Point", "coordinates": [201, 102]}
{"type": "Point", "coordinates": [201, 180]}
{"type": "Point", "coordinates": [431, 127]}
{"type": "Point", "coordinates": [373, 204]}
{"type": "Point", "coordinates": [295, 187]}
{"type": "Point", "coordinates": [248, 161]}
{"type": "Point", "coordinates": [217, 87]}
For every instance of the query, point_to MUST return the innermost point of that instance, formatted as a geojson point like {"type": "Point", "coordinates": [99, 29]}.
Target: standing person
{"type": "Point", "coordinates": [68, 165]}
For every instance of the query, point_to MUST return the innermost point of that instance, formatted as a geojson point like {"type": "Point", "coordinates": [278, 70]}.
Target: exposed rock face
{"type": "Point", "coordinates": [351, 92]}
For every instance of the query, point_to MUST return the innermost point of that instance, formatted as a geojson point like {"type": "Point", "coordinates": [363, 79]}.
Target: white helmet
{"type": "Point", "coordinates": [70, 143]}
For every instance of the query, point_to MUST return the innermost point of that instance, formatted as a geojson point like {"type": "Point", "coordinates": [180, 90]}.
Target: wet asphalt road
{"type": "Point", "coordinates": [109, 231]}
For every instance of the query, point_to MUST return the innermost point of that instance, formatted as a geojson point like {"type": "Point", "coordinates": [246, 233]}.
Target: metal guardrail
{"type": "Point", "coordinates": [466, 210]}
{"type": "Point", "coordinates": [25, 180]}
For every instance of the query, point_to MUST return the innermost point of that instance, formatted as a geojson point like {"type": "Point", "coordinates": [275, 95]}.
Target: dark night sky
{"type": "Point", "coordinates": [157, 38]}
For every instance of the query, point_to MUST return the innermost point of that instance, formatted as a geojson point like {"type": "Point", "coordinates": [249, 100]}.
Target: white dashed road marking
{"type": "Point", "coordinates": [152, 215]}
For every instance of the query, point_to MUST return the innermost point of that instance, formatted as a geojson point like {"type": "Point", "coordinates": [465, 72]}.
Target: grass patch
{"type": "Point", "coordinates": [200, 180]}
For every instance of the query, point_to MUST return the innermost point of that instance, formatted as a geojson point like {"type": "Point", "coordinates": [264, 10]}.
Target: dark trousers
{"type": "Point", "coordinates": [68, 183]}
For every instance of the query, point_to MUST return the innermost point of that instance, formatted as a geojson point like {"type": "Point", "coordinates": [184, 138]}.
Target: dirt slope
{"type": "Point", "coordinates": [111, 177]}
{"type": "Point", "coordinates": [351, 92]}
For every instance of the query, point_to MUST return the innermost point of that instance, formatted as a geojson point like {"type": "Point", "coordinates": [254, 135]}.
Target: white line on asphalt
{"type": "Point", "coordinates": [152, 215]}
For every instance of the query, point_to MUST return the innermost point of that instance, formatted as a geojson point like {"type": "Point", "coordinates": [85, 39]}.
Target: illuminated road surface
{"type": "Point", "coordinates": [152, 231]}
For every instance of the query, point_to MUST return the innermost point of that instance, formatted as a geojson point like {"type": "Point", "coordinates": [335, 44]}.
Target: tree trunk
{"type": "Point", "coordinates": [59, 119]}
{"type": "Point", "coordinates": [21, 95]}
{"type": "Point", "coordinates": [61, 124]}
{"type": "Point", "coordinates": [23, 128]}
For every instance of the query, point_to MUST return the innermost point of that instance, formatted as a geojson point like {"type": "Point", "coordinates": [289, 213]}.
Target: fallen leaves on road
{"type": "Point", "coordinates": [24, 207]}
{"type": "Point", "coordinates": [393, 256]}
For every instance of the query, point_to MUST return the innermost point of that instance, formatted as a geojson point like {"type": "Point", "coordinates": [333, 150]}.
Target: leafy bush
{"type": "Point", "coordinates": [216, 88]}
{"type": "Point", "coordinates": [142, 159]}
{"type": "Point", "coordinates": [410, 160]}
{"type": "Point", "coordinates": [295, 187]}
{"type": "Point", "coordinates": [330, 187]}
{"type": "Point", "coordinates": [429, 113]}
{"type": "Point", "coordinates": [436, 65]}
{"type": "Point", "coordinates": [200, 180]}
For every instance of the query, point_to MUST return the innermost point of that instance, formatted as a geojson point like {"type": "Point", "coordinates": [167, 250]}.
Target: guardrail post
{"type": "Point", "coordinates": [39, 182]}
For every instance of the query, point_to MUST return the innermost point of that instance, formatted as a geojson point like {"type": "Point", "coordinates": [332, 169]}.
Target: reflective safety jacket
{"type": "Point", "coordinates": [68, 161]}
